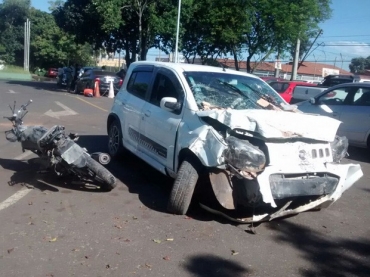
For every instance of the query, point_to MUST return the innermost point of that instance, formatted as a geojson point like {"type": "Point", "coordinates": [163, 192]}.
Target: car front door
{"type": "Point", "coordinates": [159, 127]}
{"type": "Point", "coordinates": [355, 116]}
{"type": "Point", "coordinates": [132, 102]}
{"type": "Point", "coordinates": [331, 104]}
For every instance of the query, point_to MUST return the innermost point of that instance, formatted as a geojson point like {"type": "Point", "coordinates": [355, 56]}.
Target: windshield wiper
{"type": "Point", "coordinates": [263, 96]}
{"type": "Point", "coordinates": [232, 87]}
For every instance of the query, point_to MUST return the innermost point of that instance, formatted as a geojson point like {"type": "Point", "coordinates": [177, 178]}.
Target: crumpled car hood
{"type": "Point", "coordinates": [272, 124]}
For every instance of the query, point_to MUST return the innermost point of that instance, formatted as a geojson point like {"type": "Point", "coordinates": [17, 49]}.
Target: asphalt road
{"type": "Point", "coordinates": [60, 229]}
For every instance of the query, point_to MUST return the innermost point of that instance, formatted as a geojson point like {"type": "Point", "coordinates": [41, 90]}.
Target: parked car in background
{"type": "Point", "coordinates": [121, 73]}
{"type": "Point", "coordinates": [286, 88]}
{"type": "Point", "coordinates": [99, 77]}
{"type": "Point", "coordinates": [85, 68]}
{"type": "Point", "coordinates": [333, 80]}
{"type": "Point", "coordinates": [233, 132]}
{"type": "Point", "coordinates": [269, 79]}
{"type": "Point", "coordinates": [52, 72]}
{"type": "Point", "coordinates": [349, 103]}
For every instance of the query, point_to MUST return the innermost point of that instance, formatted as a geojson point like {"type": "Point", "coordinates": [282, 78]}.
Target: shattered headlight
{"type": "Point", "coordinates": [243, 155]}
{"type": "Point", "coordinates": [339, 148]}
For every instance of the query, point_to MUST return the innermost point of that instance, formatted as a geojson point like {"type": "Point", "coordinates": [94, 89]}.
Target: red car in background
{"type": "Point", "coordinates": [269, 79]}
{"type": "Point", "coordinates": [52, 72]}
{"type": "Point", "coordinates": [286, 88]}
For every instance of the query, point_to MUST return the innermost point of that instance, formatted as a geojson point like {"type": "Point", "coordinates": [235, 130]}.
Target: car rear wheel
{"type": "Point", "coordinates": [183, 188]}
{"type": "Point", "coordinates": [115, 146]}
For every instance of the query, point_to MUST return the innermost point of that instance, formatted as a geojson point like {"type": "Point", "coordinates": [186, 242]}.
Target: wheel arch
{"type": "Point", "coordinates": [112, 117]}
{"type": "Point", "coordinates": [186, 153]}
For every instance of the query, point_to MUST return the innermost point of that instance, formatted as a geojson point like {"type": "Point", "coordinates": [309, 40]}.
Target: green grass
{"type": "Point", "coordinates": [13, 69]}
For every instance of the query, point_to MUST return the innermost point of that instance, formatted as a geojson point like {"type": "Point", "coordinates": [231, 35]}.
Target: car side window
{"type": "Point", "coordinates": [362, 97]}
{"type": "Point", "coordinates": [344, 96]}
{"type": "Point", "coordinates": [340, 96]}
{"type": "Point", "coordinates": [86, 73]}
{"type": "Point", "coordinates": [165, 86]}
{"type": "Point", "coordinates": [139, 83]}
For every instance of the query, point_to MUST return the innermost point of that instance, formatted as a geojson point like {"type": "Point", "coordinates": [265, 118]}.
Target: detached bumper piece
{"type": "Point", "coordinates": [285, 186]}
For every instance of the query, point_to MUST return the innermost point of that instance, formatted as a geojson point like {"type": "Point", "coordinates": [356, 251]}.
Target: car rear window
{"type": "Point", "coordinates": [105, 73]}
{"type": "Point", "coordinates": [279, 87]}
{"type": "Point", "coordinates": [139, 83]}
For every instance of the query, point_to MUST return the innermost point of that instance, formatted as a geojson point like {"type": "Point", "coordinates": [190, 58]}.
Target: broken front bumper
{"type": "Point", "coordinates": [345, 174]}
{"type": "Point", "coordinates": [325, 186]}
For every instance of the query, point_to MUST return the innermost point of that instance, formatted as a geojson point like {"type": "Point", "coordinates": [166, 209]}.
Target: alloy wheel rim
{"type": "Point", "coordinates": [113, 140]}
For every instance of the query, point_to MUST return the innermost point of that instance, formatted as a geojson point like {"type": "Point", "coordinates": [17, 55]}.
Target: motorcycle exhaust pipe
{"type": "Point", "coordinates": [102, 158]}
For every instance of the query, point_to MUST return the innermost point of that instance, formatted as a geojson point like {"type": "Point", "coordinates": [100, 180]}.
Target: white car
{"type": "Point", "coordinates": [189, 121]}
{"type": "Point", "coordinates": [349, 103]}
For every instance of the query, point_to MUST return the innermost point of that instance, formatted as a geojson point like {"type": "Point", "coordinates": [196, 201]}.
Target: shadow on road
{"type": "Point", "coordinates": [210, 265]}
{"type": "Point", "coordinates": [26, 174]}
{"type": "Point", "coordinates": [48, 85]}
{"type": "Point", "coordinates": [358, 154]}
{"type": "Point", "coordinates": [152, 187]}
{"type": "Point", "coordinates": [328, 256]}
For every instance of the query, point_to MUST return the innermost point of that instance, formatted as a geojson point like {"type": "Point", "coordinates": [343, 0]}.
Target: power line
{"type": "Point", "coordinates": [345, 36]}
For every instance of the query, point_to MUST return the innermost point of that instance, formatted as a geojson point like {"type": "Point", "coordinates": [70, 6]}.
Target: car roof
{"type": "Point", "coordinates": [357, 84]}
{"type": "Point", "coordinates": [364, 85]}
{"type": "Point", "coordinates": [182, 67]}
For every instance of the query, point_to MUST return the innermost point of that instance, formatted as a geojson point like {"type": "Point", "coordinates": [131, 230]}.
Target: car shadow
{"type": "Point", "coordinates": [328, 256]}
{"type": "Point", "coordinates": [40, 85]}
{"type": "Point", "coordinates": [151, 186]}
{"type": "Point", "coordinates": [358, 154]}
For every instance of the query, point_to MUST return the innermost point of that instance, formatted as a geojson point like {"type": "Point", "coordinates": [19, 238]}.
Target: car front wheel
{"type": "Point", "coordinates": [183, 188]}
{"type": "Point", "coordinates": [115, 146]}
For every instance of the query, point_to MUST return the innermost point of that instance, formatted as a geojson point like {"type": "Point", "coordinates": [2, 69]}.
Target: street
{"type": "Point", "coordinates": [53, 228]}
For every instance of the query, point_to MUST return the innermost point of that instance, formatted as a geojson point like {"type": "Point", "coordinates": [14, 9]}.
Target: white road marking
{"type": "Point", "coordinates": [57, 115]}
{"type": "Point", "coordinates": [19, 194]}
{"type": "Point", "coordinates": [14, 198]}
{"type": "Point", "coordinates": [11, 91]}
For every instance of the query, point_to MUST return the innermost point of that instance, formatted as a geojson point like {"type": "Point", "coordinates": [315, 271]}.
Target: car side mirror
{"type": "Point", "coordinates": [312, 101]}
{"type": "Point", "coordinates": [169, 104]}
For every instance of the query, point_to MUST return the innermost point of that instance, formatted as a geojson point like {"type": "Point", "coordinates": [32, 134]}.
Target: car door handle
{"type": "Point", "coordinates": [147, 113]}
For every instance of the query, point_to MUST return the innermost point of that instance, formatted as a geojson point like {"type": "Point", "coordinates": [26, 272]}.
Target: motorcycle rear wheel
{"type": "Point", "coordinates": [100, 174]}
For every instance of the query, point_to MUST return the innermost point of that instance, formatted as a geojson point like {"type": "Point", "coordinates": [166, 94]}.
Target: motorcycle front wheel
{"type": "Point", "coordinates": [100, 174]}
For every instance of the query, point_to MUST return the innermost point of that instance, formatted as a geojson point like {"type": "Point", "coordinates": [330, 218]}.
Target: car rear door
{"type": "Point", "coordinates": [132, 101]}
{"type": "Point", "coordinates": [158, 126]}
{"type": "Point", "coordinates": [355, 116]}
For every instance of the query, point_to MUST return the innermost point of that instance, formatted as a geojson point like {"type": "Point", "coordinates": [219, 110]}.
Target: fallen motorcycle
{"type": "Point", "coordinates": [58, 151]}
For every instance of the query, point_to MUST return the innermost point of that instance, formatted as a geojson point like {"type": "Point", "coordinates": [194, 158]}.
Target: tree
{"type": "Point", "coordinates": [51, 46]}
{"type": "Point", "coordinates": [277, 24]}
{"type": "Point", "coordinates": [13, 14]}
{"type": "Point", "coordinates": [113, 24]}
{"type": "Point", "coordinates": [360, 65]}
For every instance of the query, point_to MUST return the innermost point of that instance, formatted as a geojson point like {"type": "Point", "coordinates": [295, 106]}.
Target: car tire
{"type": "Point", "coordinates": [183, 188]}
{"type": "Point", "coordinates": [115, 146]}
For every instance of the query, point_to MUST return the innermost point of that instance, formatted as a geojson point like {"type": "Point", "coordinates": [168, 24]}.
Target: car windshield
{"type": "Point", "coordinates": [225, 90]}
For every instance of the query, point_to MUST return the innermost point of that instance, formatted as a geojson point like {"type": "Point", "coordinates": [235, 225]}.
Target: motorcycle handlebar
{"type": "Point", "coordinates": [23, 107]}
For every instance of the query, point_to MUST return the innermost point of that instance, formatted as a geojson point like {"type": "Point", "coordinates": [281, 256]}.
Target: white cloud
{"type": "Point", "coordinates": [349, 48]}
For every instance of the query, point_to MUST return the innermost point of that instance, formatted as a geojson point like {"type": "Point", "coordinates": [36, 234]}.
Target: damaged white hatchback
{"type": "Point", "coordinates": [262, 156]}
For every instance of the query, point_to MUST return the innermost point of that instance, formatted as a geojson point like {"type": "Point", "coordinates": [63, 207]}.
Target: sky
{"type": "Point", "coordinates": [346, 35]}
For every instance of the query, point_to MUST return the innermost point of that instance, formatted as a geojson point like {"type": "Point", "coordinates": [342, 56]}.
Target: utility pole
{"type": "Point", "coordinates": [277, 65]}
{"type": "Point", "coordinates": [27, 37]}
{"type": "Point", "coordinates": [177, 33]}
{"type": "Point", "coordinates": [295, 60]}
